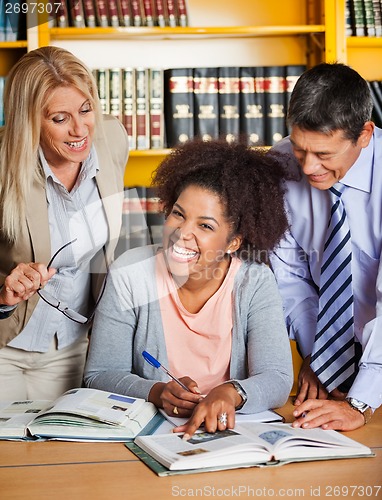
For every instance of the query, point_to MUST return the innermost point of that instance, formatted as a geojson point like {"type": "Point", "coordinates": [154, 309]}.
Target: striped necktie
{"type": "Point", "coordinates": [332, 357]}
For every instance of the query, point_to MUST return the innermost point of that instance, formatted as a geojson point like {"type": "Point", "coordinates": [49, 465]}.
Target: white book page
{"type": "Point", "coordinates": [263, 416]}
{"type": "Point", "coordinates": [101, 405]}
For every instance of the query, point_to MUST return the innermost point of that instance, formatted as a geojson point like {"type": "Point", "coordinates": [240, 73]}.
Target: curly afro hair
{"type": "Point", "coordinates": [248, 182]}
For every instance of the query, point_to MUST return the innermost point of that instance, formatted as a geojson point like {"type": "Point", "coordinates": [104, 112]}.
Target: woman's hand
{"type": "Point", "coordinates": [222, 400]}
{"type": "Point", "coordinates": [174, 399]}
{"type": "Point", "coordinates": [24, 281]}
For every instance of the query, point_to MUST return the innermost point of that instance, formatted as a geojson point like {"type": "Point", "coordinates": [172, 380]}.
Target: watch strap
{"type": "Point", "coordinates": [240, 391]}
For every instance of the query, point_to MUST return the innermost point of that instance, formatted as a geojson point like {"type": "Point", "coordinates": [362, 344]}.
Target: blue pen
{"type": "Point", "coordinates": [154, 362]}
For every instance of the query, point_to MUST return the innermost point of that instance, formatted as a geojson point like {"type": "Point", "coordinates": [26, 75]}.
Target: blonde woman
{"type": "Point", "coordinates": [61, 184]}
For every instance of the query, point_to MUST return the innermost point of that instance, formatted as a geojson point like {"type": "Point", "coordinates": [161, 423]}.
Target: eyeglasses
{"type": "Point", "coordinates": [61, 306]}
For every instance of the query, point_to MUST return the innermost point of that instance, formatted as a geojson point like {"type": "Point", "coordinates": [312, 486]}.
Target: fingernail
{"type": "Point", "coordinates": [197, 390]}
{"type": "Point", "coordinates": [186, 437]}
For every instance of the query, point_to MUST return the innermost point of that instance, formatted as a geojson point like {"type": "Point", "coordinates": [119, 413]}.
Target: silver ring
{"type": "Point", "coordinates": [223, 418]}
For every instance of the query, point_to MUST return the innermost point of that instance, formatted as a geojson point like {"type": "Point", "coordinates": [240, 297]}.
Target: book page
{"type": "Point", "coordinates": [99, 405]}
{"type": "Point", "coordinates": [203, 449]}
{"type": "Point", "coordinates": [16, 415]}
{"type": "Point", "coordinates": [263, 416]}
{"type": "Point", "coordinates": [287, 442]}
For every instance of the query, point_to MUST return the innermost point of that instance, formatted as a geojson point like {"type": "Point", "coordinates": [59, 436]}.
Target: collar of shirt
{"type": "Point", "coordinates": [359, 176]}
{"type": "Point", "coordinates": [89, 168]}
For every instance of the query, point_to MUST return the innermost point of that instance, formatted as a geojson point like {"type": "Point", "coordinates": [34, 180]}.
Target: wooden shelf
{"type": "Point", "coordinates": [364, 42]}
{"type": "Point", "coordinates": [174, 33]}
{"type": "Point", "coordinates": [19, 44]}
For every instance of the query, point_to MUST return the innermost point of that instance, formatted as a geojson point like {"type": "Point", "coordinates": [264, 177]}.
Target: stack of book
{"type": "Point", "coordinates": [134, 96]}
{"type": "Point", "coordinates": [168, 107]}
{"type": "Point", "coordinates": [376, 92]}
{"type": "Point", "coordinates": [13, 23]}
{"type": "Point", "coordinates": [142, 221]}
{"type": "Point", "coordinates": [119, 13]}
{"type": "Point", "coordinates": [363, 17]}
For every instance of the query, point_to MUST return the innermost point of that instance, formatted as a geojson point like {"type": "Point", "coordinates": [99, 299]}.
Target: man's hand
{"type": "Point", "coordinates": [309, 387]}
{"type": "Point", "coordinates": [327, 414]}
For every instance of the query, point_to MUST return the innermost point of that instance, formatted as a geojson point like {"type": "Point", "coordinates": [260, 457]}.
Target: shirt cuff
{"type": "Point", "coordinates": [367, 387]}
{"type": "Point", "coordinates": [4, 308]}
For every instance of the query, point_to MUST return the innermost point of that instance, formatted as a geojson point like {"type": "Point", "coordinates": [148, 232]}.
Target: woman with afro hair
{"type": "Point", "coordinates": [204, 303]}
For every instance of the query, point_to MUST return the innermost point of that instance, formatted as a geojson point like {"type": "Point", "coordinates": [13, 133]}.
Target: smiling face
{"type": "Point", "coordinates": [67, 128]}
{"type": "Point", "coordinates": [325, 158]}
{"type": "Point", "coordinates": [197, 235]}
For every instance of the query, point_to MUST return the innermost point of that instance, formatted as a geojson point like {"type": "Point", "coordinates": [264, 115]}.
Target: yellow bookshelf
{"type": "Point", "coordinates": [221, 33]}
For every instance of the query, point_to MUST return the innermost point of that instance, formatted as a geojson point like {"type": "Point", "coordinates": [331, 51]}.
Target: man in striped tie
{"type": "Point", "coordinates": [328, 267]}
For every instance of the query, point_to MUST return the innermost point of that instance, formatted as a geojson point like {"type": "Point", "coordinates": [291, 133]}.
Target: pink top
{"type": "Point", "coordinates": [198, 345]}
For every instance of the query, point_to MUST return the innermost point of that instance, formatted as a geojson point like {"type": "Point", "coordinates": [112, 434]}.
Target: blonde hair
{"type": "Point", "coordinates": [26, 94]}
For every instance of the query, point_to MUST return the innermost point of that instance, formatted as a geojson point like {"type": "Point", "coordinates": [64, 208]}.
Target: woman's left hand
{"type": "Point", "coordinates": [216, 410]}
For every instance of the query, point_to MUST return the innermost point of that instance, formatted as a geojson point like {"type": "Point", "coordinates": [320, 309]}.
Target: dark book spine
{"type": "Point", "coordinates": [376, 93]}
{"type": "Point", "coordinates": [137, 229]}
{"type": "Point", "coordinates": [124, 12]}
{"type": "Point", "coordinates": [129, 113]}
{"type": "Point", "coordinates": [156, 108]}
{"type": "Point", "coordinates": [274, 87]}
{"type": "Point", "coordinates": [148, 12]}
{"type": "Point", "coordinates": [182, 12]}
{"type": "Point", "coordinates": [229, 103]}
{"type": "Point", "coordinates": [142, 108]}
{"type": "Point", "coordinates": [359, 18]}
{"type": "Point", "coordinates": [89, 14]}
{"type": "Point", "coordinates": [369, 17]}
{"type": "Point", "coordinates": [252, 119]}
{"type": "Point", "coordinates": [101, 13]}
{"type": "Point", "coordinates": [136, 12]}
{"type": "Point", "coordinates": [206, 103]}
{"type": "Point", "coordinates": [61, 15]}
{"type": "Point", "coordinates": [160, 12]}
{"type": "Point", "coordinates": [377, 17]}
{"type": "Point", "coordinates": [102, 79]}
{"type": "Point", "coordinates": [115, 93]}
{"type": "Point", "coordinates": [2, 83]}
{"type": "Point", "coordinates": [171, 13]}
{"type": "Point", "coordinates": [155, 218]}
{"type": "Point", "coordinates": [349, 19]}
{"type": "Point", "coordinates": [113, 13]}
{"type": "Point", "coordinates": [292, 74]}
{"type": "Point", "coordinates": [179, 105]}
{"type": "Point", "coordinates": [76, 13]}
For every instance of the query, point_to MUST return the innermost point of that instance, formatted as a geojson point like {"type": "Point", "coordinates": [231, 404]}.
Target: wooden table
{"type": "Point", "coordinates": [97, 471]}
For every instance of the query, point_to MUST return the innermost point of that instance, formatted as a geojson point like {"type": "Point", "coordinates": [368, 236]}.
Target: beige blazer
{"type": "Point", "coordinates": [34, 244]}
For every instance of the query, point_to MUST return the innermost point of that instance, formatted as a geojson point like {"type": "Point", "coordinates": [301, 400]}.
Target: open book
{"type": "Point", "coordinates": [262, 416]}
{"type": "Point", "coordinates": [79, 415]}
{"type": "Point", "coordinates": [249, 444]}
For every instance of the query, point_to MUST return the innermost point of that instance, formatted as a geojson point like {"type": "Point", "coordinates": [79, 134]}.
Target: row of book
{"type": "Point", "coordinates": [142, 222]}
{"type": "Point", "coordinates": [376, 92]}
{"type": "Point", "coordinates": [13, 23]}
{"type": "Point", "coordinates": [363, 18]}
{"type": "Point", "coordinates": [163, 108]}
{"type": "Point", "coordinates": [118, 13]}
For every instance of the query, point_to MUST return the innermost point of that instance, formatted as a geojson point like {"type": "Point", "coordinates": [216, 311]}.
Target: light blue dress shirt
{"type": "Point", "coordinates": [296, 262]}
{"type": "Point", "coordinates": [71, 215]}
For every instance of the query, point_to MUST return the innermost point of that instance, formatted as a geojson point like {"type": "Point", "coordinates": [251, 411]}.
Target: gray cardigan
{"type": "Point", "coordinates": [128, 321]}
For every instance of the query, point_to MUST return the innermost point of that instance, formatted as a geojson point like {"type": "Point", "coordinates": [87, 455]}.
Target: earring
{"type": "Point", "coordinates": [228, 251]}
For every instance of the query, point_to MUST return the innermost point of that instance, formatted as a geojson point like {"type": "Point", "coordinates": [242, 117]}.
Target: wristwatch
{"type": "Point", "coordinates": [363, 408]}
{"type": "Point", "coordinates": [241, 393]}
